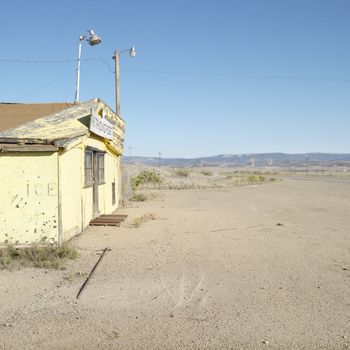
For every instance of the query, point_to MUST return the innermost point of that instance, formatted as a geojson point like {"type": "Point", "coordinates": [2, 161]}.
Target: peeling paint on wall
{"type": "Point", "coordinates": [29, 197]}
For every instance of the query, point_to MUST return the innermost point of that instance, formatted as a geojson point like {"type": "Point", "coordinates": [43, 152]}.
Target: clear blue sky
{"type": "Point", "coordinates": [210, 76]}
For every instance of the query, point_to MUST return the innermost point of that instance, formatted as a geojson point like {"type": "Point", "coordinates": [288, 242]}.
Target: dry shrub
{"type": "Point", "coordinates": [182, 172]}
{"type": "Point", "coordinates": [146, 177]}
{"type": "Point", "coordinates": [48, 256]}
{"type": "Point", "coordinates": [207, 173]}
{"type": "Point", "coordinates": [256, 178]}
{"type": "Point", "coordinates": [139, 197]}
{"type": "Point", "coordinates": [142, 219]}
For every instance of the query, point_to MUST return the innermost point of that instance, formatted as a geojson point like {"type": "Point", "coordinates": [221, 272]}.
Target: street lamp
{"type": "Point", "coordinates": [132, 53]}
{"type": "Point", "coordinates": [93, 40]}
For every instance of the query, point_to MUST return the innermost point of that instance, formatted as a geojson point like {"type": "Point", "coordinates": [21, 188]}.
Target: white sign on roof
{"type": "Point", "coordinates": [100, 126]}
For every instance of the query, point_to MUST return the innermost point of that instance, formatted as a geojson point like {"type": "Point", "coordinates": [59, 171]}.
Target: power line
{"type": "Point", "coordinates": [214, 74]}
{"type": "Point", "coordinates": [253, 76]}
{"type": "Point", "coordinates": [9, 60]}
{"type": "Point", "coordinates": [44, 86]}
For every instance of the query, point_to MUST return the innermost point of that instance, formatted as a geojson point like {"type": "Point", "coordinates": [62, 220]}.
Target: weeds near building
{"type": "Point", "coordinates": [49, 257]}
{"type": "Point", "coordinates": [142, 219]}
{"type": "Point", "coordinates": [139, 197]}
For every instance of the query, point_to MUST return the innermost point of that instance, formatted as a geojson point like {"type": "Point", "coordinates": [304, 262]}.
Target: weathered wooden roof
{"type": "Point", "coordinates": [61, 127]}
{"type": "Point", "coordinates": [10, 147]}
{"type": "Point", "coordinates": [15, 114]}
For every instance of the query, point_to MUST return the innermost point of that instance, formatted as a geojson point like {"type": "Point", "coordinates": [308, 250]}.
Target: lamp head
{"type": "Point", "coordinates": [94, 39]}
{"type": "Point", "coordinates": [132, 52]}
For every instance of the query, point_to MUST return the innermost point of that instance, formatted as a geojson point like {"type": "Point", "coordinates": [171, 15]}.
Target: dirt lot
{"type": "Point", "coordinates": [254, 267]}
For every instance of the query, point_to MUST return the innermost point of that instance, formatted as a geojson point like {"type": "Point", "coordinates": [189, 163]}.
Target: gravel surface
{"type": "Point", "coordinates": [255, 267]}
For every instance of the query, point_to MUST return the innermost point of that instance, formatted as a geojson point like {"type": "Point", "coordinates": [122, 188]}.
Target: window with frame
{"type": "Point", "coordinates": [88, 168]}
{"type": "Point", "coordinates": [101, 167]}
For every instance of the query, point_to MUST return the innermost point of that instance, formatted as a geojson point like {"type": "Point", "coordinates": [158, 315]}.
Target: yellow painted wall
{"type": "Point", "coordinates": [28, 197]}
{"type": "Point", "coordinates": [42, 195]}
{"type": "Point", "coordinates": [87, 206]}
{"type": "Point", "coordinates": [76, 199]}
{"type": "Point", "coordinates": [70, 175]}
{"type": "Point", "coordinates": [112, 175]}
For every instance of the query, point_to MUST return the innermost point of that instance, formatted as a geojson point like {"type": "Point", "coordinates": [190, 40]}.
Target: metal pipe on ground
{"type": "Point", "coordinates": [91, 273]}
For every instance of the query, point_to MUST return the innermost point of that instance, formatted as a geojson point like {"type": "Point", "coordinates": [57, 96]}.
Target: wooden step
{"type": "Point", "coordinates": [108, 220]}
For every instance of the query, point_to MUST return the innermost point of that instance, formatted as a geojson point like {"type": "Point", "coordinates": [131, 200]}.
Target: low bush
{"type": "Point", "coordinates": [142, 219]}
{"type": "Point", "coordinates": [139, 197]}
{"type": "Point", "coordinates": [146, 177]}
{"type": "Point", "coordinates": [207, 173]}
{"type": "Point", "coordinates": [256, 178]}
{"type": "Point", "coordinates": [182, 172]}
{"type": "Point", "coordinates": [48, 256]}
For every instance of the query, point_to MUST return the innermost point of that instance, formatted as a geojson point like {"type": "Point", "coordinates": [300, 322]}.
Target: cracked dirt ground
{"type": "Point", "coordinates": [255, 267]}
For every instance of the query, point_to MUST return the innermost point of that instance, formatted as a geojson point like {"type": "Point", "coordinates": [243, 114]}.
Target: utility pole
{"type": "Point", "coordinates": [159, 155]}
{"type": "Point", "coordinates": [117, 90]}
{"type": "Point", "coordinates": [116, 57]}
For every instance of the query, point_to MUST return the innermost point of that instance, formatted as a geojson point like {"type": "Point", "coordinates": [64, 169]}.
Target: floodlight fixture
{"type": "Point", "coordinates": [132, 52]}
{"type": "Point", "coordinates": [93, 40]}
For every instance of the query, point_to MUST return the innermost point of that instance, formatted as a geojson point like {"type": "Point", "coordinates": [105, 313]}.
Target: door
{"type": "Point", "coordinates": [94, 170]}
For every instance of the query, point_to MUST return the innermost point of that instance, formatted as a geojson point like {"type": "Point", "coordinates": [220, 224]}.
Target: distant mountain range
{"type": "Point", "coordinates": [257, 159]}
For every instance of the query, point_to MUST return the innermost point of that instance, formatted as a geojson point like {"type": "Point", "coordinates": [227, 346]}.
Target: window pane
{"type": "Point", "coordinates": [88, 168]}
{"type": "Point", "coordinates": [101, 167]}
{"type": "Point", "coordinates": [88, 160]}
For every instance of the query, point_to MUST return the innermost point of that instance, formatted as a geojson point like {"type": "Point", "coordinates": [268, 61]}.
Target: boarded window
{"type": "Point", "coordinates": [101, 167]}
{"type": "Point", "coordinates": [88, 169]}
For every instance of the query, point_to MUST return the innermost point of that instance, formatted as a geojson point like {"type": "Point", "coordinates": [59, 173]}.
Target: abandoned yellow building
{"type": "Point", "coordinates": [59, 169]}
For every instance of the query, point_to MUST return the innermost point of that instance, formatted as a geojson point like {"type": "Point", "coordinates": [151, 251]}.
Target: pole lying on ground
{"type": "Point", "coordinates": [91, 273]}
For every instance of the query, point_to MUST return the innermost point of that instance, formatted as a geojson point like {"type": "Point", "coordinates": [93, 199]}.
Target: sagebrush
{"type": "Point", "coordinates": [182, 172]}
{"type": "Point", "coordinates": [146, 177]}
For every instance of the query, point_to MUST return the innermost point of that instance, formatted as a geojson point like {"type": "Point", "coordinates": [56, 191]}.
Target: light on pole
{"type": "Point", "coordinates": [132, 53]}
{"type": "Point", "coordinates": [93, 40]}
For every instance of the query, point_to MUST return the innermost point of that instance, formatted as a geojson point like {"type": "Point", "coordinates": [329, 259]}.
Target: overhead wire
{"type": "Point", "coordinates": [44, 85]}
{"type": "Point", "coordinates": [48, 61]}
{"type": "Point", "coordinates": [253, 76]}
{"type": "Point", "coordinates": [148, 71]}
{"type": "Point", "coordinates": [214, 74]}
